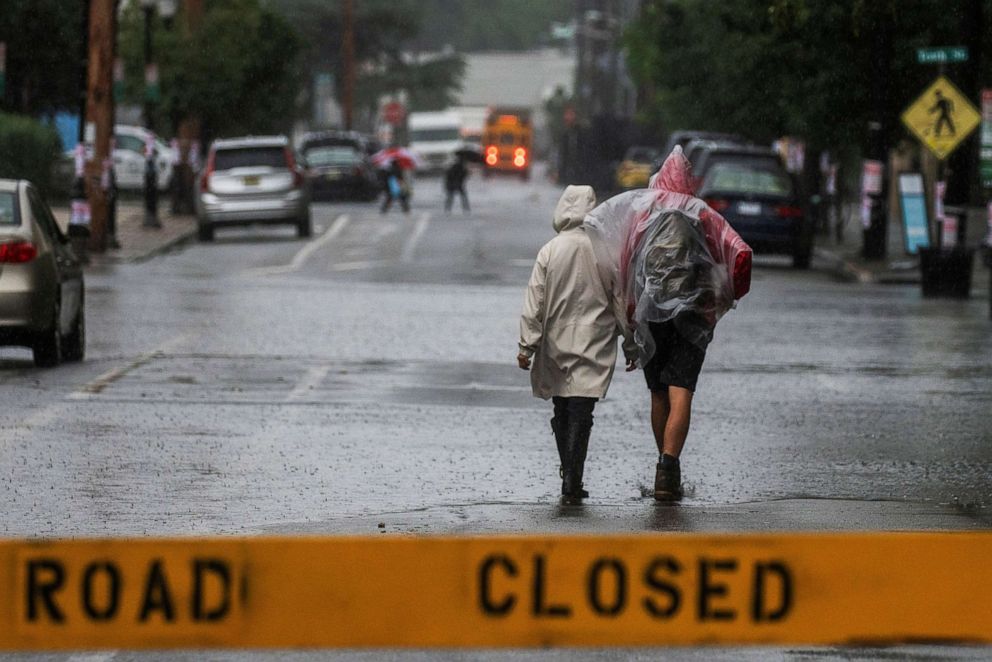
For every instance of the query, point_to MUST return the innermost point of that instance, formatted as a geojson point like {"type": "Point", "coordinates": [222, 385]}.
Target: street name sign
{"type": "Point", "coordinates": [941, 118]}
{"type": "Point", "coordinates": [496, 591]}
{"type": "Point", "coordinates": [942, 55]}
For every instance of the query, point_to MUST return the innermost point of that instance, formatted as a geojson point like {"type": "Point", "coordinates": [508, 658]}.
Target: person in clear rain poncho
{"type": "Point", "coordinates": [677, 266]}
{"type": "Point", "coordinates": [569, 327]}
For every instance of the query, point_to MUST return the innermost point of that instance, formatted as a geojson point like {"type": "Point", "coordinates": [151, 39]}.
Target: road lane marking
{"type": "Point", "coordinates": [514, 591]}
{"type": "Point", "coordinates": [418, 232]}
{"type": "Point", "coordinates": [357, 266]}
{"type": "Point", "coordinates": [93, 657]}
{"type": "Point", "coordinates": [304, 254]}
{"type": "Point", "coordinates": [311, 379]}
{"type": "Point", "coordinates": [97, 385]}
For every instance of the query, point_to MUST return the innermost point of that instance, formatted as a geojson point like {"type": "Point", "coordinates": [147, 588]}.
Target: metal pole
{"type": "Point", "coordinates": [348, 59]}
{"type": "Point", "coordinates": [151, 174]}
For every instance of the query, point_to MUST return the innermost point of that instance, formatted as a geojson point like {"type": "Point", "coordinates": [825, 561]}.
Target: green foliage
{"type": "Point", "coordinates": [43, 39]}
{"type": "Point", "coordinates": [28, 150]}
{"type": "Point", "coordinates": [237, 72]}
{"type": "Point", "coordinates": [384, 32]}
{"type": "Point", "coordinates": [767, 68]}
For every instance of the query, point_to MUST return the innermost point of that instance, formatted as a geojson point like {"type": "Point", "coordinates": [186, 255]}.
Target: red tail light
{"type": "Point", "coordinates": [717, 204]}
{"type": "Point", "coordinates": [298, 179]}
{"type": "Point", "coordinates": [520, 157]}
{"type": "Point", "coordinates": [17, 252]}
{"type": "Point", "coordinates": [205, 180]}
{"type": "Point", "coordinates": [492, 155]}
{"type": "Point", "coordinates": [788, 211]}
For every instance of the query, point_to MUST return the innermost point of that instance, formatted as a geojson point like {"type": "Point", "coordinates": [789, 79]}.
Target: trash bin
{"type": "Point", "coordinates": [946, 273]}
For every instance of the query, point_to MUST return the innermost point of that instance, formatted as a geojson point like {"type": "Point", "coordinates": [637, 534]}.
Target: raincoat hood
{"type": "Point", "coordinates": [575, 203]}
{"type": "Point", "coordinates": [675, 174]}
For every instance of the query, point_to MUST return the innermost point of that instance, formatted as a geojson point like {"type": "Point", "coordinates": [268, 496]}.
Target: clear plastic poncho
{"type": "Point", "coordinates": [668, 256]}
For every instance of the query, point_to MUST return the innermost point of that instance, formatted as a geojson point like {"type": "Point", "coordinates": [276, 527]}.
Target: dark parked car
{"type": "Point", "coordinates": [683, 138]}
{"type": "Point", "coordinates": [338, 167]}
{"type": "Point", "coordinates": [41, 281]}
{"type": "Point", "coordinates": [752, 190]}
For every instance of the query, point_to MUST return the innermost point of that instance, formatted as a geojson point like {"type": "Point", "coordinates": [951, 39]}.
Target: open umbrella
{"type": "Point", "coordinates": [470, 154]}
{"type": "Point", "coordinates": [400, 155]}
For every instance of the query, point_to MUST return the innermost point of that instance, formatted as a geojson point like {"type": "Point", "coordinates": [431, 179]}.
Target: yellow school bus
{"type": "Point", "coordinates": [506, 142]}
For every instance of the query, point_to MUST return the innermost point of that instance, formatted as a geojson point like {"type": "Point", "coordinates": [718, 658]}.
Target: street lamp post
{"type": "Point", "coordinates": [151, 81]}
{"type": "Point", "coordinates": [167, 9]}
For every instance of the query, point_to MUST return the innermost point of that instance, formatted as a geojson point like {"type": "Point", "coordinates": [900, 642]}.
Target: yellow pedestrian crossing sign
{"type": "Point", "coordinates": [942, 117]}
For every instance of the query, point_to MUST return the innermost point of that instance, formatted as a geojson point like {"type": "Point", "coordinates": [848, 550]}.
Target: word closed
{"type": "Point", "coordinates": [664, 587]}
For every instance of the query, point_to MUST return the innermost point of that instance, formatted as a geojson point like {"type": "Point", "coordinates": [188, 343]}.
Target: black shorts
{"type": "Point", "coordinates": [676, 361]}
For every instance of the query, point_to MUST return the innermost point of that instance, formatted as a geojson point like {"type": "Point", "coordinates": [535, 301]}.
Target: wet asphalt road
{"type": "Point", "coordinates": [264, 384]}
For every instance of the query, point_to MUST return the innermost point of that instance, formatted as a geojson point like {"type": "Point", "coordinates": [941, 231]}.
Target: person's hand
{"type": "Point", "coordinates": [523, 361]}
{"type": "Point", "coordinates": [631, 365]}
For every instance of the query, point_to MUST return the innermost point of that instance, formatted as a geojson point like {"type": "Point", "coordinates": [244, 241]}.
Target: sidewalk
{"type": "Point", "coordinates": [897, 268]}
{"type": "Point", "coordinates": [137, 242]}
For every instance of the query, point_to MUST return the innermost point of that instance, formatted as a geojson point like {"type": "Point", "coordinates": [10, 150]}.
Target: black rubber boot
{"type": "Point", "coordinates": [560, 429]}
{"type": "Point", "coordinates": [578, 445]}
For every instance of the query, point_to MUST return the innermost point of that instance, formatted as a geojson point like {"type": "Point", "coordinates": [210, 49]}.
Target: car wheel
{"type": "Point", "coordinates": [74, 348]}
{"type": "Point", "coordinates": [205, 231]}
{"type": "Point", "coordinates": [801, 258]}
{"type": "Point", "coordinates": [47, 348]}
{"type": "Point", "coordinates": [304, 227]}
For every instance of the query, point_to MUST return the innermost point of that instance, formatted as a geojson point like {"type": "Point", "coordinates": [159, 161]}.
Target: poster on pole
{"type": "Point", "coordinates": [915, 226]}
{"type": "Point", "coordinates": [985, 155]}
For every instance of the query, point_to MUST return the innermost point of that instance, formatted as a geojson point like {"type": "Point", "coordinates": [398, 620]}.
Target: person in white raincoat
{"type": "Point", "coordinates": [569, 327]}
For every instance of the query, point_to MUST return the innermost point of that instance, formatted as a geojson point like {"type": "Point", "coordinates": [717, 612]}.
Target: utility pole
{"type": "Point", "coordinates": [99, 112]}
{"type": "Point", "coordinates": [348, 60]}
{"type": "Point", "coordinates": [875, 235]}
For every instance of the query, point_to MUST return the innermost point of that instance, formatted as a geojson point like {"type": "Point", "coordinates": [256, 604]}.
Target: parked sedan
{"type": "Point", "coordinates": [337, 166]}
{"type": "Point", "coordinates": [252, 180]}
{"type": "Point", "coordinates": [41, 281]}
{"type": "Point", "coordinates": [752, 190]}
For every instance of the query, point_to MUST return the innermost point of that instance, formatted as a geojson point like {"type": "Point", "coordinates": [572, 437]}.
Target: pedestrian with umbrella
{"type": "Point", "coordinates": [454, 182]}
{"type": "Point", "coordinates": [393, 164]}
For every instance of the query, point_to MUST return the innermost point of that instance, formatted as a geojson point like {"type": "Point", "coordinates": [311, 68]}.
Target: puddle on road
{"type": "Point", "coordinates": [199, 379]}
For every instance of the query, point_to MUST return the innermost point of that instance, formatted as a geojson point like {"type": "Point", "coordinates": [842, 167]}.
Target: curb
{"type": "Point", "coordinates": [174, 242]}
{"type": "Point", "coordinates": [844, 269]}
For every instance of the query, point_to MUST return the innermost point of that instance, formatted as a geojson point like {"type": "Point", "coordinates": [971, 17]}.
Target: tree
{"type": "Point", "coordinates": [385, 30]}
{"type": "Point", "coordinates": [767, 68]}
{"type": "Point", "coordinates": [43, 39]}
{"type": "Point", "coordinates": [237, 72]}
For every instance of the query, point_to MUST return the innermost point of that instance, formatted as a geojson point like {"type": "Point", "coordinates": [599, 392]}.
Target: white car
{"type": "Point", "coordinates": [129, 158]}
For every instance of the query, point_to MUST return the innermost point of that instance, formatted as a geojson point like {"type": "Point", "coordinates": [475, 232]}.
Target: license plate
{"type": "Point", "coordinates": [749, 208]}
{"type": "Point", "coordinates": [332, 176]}
{"type": "Point", "coordinates": [251, 180]}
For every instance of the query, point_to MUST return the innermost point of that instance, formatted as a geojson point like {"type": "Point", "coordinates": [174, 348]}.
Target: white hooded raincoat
{"type": "Point", "coordinates": [570, 319]}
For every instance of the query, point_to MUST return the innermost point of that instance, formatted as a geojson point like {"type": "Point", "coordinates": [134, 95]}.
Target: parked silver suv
{"type": "Point", "coordinates": [252, 180]}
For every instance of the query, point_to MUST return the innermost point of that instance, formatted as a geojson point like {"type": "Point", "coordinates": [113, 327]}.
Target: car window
{"type": "Point", "coordinates": [759, 177]}
{"type": "Point", "coordinates": [249, 157]}
{"type": "Point", "coordinates": [43, 216]}
{"type": "Point", "coordinates": [507, 138]}
{"type": "Point", "coordinates": [330, 155]}
{"type": "Point", "coordinates": [8, 215]}
{"type": "Point", "coordinates": [130, 143]}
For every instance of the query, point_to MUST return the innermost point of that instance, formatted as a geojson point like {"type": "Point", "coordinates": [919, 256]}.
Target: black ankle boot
{"type": "Point", "coordinates": [578, 445]}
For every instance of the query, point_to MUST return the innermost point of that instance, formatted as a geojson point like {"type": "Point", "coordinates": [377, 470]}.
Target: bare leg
{"type": "Point", "coordinates": [677, 423]}
{"type": "Point", "coordinates": [660, 409]}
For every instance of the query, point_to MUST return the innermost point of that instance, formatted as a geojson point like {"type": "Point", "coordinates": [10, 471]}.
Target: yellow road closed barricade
{"type": "Point", "coordinates": [519, 591]}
